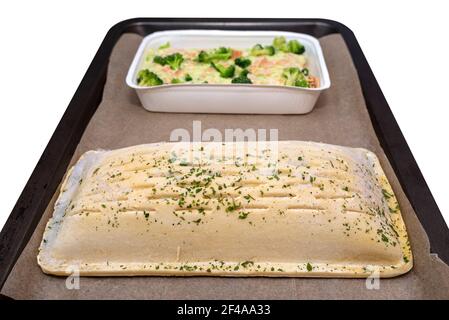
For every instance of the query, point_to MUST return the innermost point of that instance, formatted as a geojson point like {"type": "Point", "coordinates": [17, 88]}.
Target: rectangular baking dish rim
{"type": "Point", "coordinates": [325, 81]}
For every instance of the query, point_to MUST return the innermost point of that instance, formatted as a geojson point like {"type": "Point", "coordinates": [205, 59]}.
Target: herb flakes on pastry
{"type": "Point", "coordinates": [288, 208]}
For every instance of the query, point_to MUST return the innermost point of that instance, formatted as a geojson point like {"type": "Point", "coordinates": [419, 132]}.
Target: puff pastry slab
{"type": "Point", "coordinates": [288, 208]}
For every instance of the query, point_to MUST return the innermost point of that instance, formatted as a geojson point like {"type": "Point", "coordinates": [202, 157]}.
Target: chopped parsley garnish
{"type": "Point", "coordinates": [248, 198]}
{"type": "Point", "coordinates": [232, 207]}
{"type": "Point", "coordinates": [243, 215]}
{"type": "Point", "coordinates": [386, 194]}
{"type": "Point", "coordinates": [188, 268]}
{"type": "Point", "coordinates": [247, 263]}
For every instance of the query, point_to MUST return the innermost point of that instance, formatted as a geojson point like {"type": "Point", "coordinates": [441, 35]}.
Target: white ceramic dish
{"type": "Point", "coordinates": [228, 98]}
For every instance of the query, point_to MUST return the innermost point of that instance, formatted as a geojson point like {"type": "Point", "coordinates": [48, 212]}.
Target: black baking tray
{"type": "Point", "coordinates": [54, 161]}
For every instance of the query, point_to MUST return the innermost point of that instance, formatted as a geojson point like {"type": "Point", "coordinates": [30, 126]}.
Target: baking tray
{"type": "Point", "coordinates": [56, 156]}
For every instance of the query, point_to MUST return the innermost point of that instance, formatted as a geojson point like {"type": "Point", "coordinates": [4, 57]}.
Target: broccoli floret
{"type": "Point", "coordinates": [159, 60]}
{"type": "Point", "coordinates": [280, 44]}
{"type": "Point", "coordinates": [259, 50]}
{"type": "Point", "coordinates": [242, 62]}
{"type": "Point", "coordinates": [302, 82]}
{"type": "Point", "coordinates": [242, 78]}
{"type": "Point", "coordinates": [225, 72]}
{"type": "Point", "coordinates": [244, 73]}
{"type": "Point", "coordinates": [294, 77]}
{"type": "Point", "coordinates": [295, 47]}
{"type": "Point", "coordinates": [291, 74]}
{"type": "Point", "coordinates": [147, 78]}
{"type": "Point", "coordinates": [173, 60]}
{"type": "Point", "coordinates": [165, 46]}
{"type": "Point", "coordinates": [203, 56]}
{"type": "Point", "coordinates": [221, 53]}
{"type": "Point", "coordinates": [187, 78]}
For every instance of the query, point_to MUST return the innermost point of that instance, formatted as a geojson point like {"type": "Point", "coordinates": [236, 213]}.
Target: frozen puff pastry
{"type": "Point", "coordinates": [287, 208]}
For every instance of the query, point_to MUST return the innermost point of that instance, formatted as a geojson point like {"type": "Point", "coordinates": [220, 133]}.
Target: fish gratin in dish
{"type": "Point", "coordinates": [280, 63]}
{"type": "Point", "coordinates": [292, 208]}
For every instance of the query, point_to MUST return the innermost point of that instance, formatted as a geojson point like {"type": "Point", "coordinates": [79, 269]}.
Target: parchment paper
{"type": "Point", "coordinates": [340, 117]}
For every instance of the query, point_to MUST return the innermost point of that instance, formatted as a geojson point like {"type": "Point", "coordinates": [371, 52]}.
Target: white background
{"type": "Point", "coordinates": [46, 47]}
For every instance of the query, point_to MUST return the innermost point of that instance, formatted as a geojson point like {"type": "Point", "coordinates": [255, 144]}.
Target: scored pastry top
{"type": "Point", "coordinates": [286, 208]}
